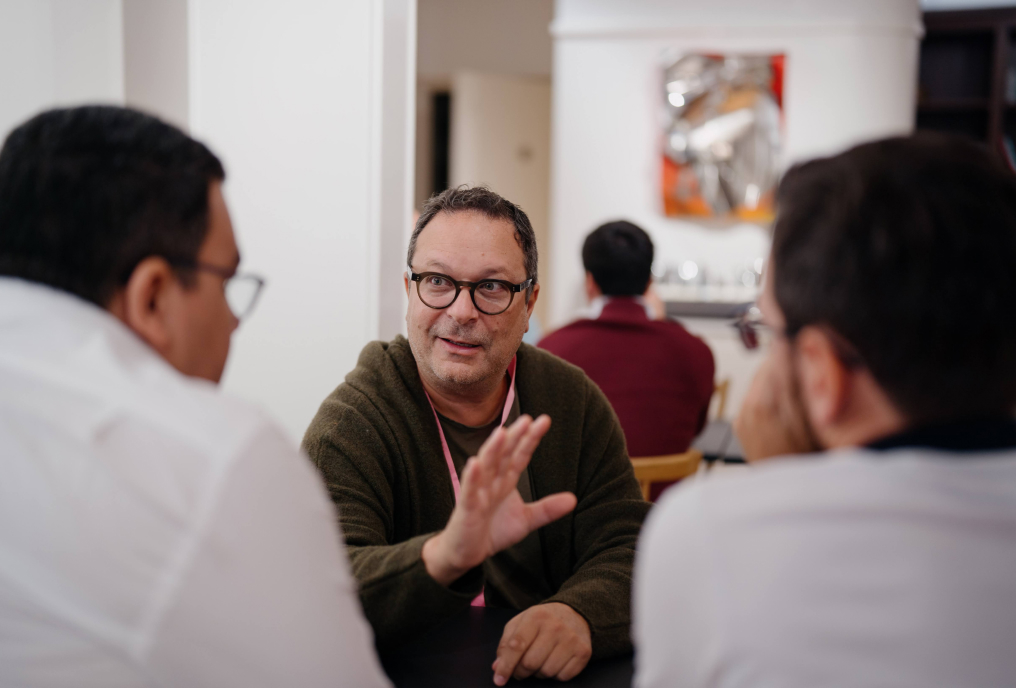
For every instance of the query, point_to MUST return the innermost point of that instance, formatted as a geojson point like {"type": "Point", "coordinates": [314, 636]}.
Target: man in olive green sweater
{"type": "Point", "coordinates": [544, 519]}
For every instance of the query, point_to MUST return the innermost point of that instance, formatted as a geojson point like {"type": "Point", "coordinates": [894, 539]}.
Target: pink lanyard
{"type": "Point", "coordinates": [479, 601]}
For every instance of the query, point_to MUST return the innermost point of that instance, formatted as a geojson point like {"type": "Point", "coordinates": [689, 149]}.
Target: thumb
{"type": "Point", "coordinates": [549, 509]}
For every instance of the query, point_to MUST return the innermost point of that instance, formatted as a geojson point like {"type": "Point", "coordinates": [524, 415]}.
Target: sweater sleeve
{"type": "Point", "coordinates": [399, 597]}
{"type": "Point", "coordinates": [606, 524]}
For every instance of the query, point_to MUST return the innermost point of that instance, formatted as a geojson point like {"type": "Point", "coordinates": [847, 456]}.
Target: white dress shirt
{"type": "Point", "coordinates": [152, 531]}
{"type": "Point", "coordinates": [860, 568]}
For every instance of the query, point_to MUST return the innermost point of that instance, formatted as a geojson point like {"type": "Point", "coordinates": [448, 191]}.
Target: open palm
{"type": "Point", "coordinates": [490, 514]}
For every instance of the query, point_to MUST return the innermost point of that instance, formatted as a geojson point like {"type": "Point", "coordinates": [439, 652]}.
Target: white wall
{"type": "Point", "coordinates": [851, 75]}
{"type": "Point", "coordinates": [501, 138]}
{"type": "Point", "coordinates": [309, 104]}
{"type": "Point", "coordinates": [497, 37]}
{"type": "Point", "coordinates": [155, 58]}
{"type": "Point", "coordinates": [290, 95]}
{"type": "Point", "coordinates": [58, 52]}
{"type": "Point", "coordinates": [501, 36]}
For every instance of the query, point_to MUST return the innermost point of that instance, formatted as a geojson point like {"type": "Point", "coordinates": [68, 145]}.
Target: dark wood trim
{"type": "Point", "coordinates": [997, 93]}
{"type": "Point", "coordinates": [955, 21]}
{"type": "Point", "coordinates": [997, 28]}
{"type": "Point", "coordinates": [954, 105]}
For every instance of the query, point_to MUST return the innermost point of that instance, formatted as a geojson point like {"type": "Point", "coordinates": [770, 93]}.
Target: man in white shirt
{"type": "Point", "coordinates": [152, 531]}
{"type": "Point", "coordinates": [887, 559]}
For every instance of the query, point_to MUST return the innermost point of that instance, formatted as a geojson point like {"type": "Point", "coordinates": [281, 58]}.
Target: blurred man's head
{"type": "Point", "coordinates": [892, 286]}
{"type": "Point", "coordinates": [469, 234]}
{"type": "Point", "coordinates": [618, 258]}
{"type": "Point", "coordinates": [124, 211]}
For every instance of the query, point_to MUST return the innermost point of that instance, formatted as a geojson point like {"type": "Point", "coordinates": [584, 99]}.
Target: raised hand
{"type": "Point", "coordinates": [772, 420]}
{"type": "Point", "coordinates": [490, 514]}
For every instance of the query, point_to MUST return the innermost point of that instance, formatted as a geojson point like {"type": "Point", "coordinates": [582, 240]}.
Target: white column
{"type": "Point", "coordinates": [155, 58]}
{"type": "Point", "coordinates": [292, 97]}
{"type": "Point", "coordinates": [58, 52]}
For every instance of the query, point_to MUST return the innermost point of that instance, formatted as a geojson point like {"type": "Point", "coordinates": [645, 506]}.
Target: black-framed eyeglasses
{"type": "Point", "coordinates": [242, 289]}
{"type": "Point", "coordinates": [750, 327]}
{"type": "Point", "coordinates": [491, 296]}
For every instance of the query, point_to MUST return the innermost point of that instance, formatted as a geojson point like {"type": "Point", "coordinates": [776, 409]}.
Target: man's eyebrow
{"type": "Point", "coordinates": [489, 273]}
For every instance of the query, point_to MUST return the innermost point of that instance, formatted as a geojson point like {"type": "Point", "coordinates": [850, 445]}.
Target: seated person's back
{"type": "Point", "coordinates": [888, 558]}
{"type": "Point", "coordinates": [657, 376]}
{"type": "Point", "coordinates": [153, 532]}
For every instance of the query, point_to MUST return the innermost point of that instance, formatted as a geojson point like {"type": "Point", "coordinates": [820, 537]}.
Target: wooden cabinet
{"type": "Point", "coordinates": [967, 81]}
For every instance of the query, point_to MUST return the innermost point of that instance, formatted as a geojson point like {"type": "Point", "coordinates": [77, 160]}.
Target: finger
{"type": "Point", "coordinates": [491, 450]}
{"type": "Point", "coordinates": [473, 492]}
{"type": "Point", "coordinates": [517, 433]}
{"type": "Point", "coordinates": [555, 661]}
{"type": "Point", "coordinates": [509, 630]}
{"type": "Point", "coordinates": [514, 643]}
{"type": "Point", "coordinates": [528, 443]}
{"type": "Point", "coordinates": [496, 457]}
{"type": "Point", "coordinates": [521, 455]}
{"type": "Point", "coordinates": [572, 669]}
{"type": "Point", "coordinates": [539, 650]}
{"type": "Point", "coordinates": [549, 509]}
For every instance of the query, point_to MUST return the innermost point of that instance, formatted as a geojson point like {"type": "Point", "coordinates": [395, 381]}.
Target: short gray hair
{"type": "Point", "coordinates": [481, 199]}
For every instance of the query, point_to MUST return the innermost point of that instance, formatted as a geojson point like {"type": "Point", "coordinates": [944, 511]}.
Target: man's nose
{"type": "Point", "coordinates": [463, 309]}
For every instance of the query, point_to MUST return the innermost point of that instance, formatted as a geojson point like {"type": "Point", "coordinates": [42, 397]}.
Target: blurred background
{"type": "Point", "coordinates": [335, 120]}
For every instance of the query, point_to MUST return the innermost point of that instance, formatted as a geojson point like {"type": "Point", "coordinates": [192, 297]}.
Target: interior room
{"type": "Point", "coordinates": [343, 126]}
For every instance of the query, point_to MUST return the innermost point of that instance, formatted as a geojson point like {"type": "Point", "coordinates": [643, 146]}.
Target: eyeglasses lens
{"type": "Point", "coordinates": [749, 335]}
{"type": "Point", "coordinates": [241, 293]}
{"type": "Point", "coordinates": [438, 291]}
{"type": "Point", "coordinates": [492, 297]}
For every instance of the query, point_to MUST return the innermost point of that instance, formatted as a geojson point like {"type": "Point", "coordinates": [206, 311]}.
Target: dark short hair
{"type": "Point", "coordinates": [481, 199]}
{"type": "Point", "coordinates": [619, 255]}
{"type": "Point", "coordinates": [906, 248]}
{"type": "Point", "coordinates": [87, 193]}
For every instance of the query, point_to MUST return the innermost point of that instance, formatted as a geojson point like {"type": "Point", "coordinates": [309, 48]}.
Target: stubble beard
{"type": "Point", "coordinates": [490, 368]}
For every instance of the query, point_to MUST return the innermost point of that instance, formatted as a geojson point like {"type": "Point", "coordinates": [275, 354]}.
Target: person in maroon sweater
{"type": "Point", "coordinates": [657, 376]}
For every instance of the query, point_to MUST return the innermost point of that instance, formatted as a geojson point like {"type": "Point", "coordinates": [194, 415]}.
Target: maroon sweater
{"type": "Point", "coordinates": [657, 376]}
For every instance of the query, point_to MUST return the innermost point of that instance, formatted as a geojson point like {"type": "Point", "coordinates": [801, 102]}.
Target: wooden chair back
{"type": "Point", "coordinates": [657, 469]}
{"type": "Point", "coordinates": [720, 394]}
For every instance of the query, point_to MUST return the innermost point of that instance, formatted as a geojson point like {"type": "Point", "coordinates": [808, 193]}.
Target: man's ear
{"type": "Point", "coordinates": [142, 303]}
{"type": "Point", "coordinates": [531, 304]}
{"type": "Point", "coordinates": [592, 288]}
{"type": "Point", "coordinates": [405, 281]}
{"type": "Point", "coordinates": [824, 379]}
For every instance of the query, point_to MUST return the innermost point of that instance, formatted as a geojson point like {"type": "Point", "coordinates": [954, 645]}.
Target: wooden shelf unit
{"type": "Point", "coordinates": [967, 81]}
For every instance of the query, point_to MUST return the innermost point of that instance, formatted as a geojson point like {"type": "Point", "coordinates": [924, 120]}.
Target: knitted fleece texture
{"type": "Point", "coordinates": [376, 444]}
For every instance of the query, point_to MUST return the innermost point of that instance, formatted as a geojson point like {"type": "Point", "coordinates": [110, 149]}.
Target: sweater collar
{"type": "Point", "coordinates": [616, 308]}
{"type": "Point", "coordinates": [624, 309]}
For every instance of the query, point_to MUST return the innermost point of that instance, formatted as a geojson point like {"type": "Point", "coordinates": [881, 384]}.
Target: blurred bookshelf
{"type": "Point", "coordinates": [967, 81]}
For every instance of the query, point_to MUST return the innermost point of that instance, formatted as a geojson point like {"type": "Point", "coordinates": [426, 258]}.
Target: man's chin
{"type": "Point", "coordinates": [457, 371]}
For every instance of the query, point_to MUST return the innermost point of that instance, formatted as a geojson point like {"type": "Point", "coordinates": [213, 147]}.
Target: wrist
{"type": "Point", "coordinates": [438, 562]}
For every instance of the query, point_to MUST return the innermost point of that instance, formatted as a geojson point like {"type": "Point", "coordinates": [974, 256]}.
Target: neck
{"type": "Point", "coordinates": [473, 405]}
{"type": "Point", "coordinates": [867, 415]}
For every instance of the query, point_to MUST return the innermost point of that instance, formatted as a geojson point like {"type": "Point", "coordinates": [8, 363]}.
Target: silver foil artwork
{"type": "Point", "coordinates": [723, 134]}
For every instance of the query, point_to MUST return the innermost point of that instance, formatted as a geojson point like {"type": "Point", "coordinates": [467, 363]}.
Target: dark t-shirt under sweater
{"type": "Point", "coordinates": [515, 576]}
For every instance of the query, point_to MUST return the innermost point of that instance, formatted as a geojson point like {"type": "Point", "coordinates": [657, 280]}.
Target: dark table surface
{"type": "Point", "coordinates": [459, 652]}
